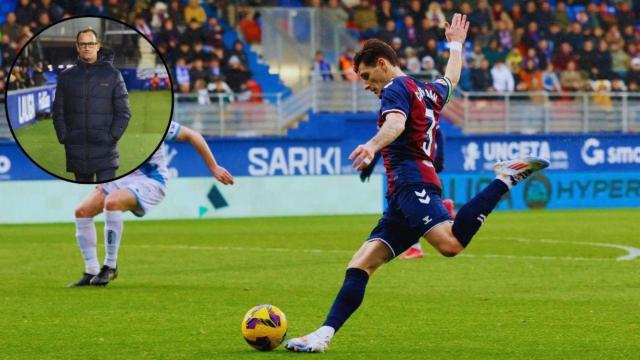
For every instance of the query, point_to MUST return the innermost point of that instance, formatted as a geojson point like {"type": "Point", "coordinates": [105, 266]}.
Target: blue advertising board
{"type": "Point", "coordinates": [23, 106]}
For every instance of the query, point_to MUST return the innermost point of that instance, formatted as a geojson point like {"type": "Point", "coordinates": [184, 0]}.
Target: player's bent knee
{"type": "Point", "coordinates": [81, 212]}
{"type": "Point", "coordinates": [450, 249]}
{"type": "Point", "coordinates": [111, 204]}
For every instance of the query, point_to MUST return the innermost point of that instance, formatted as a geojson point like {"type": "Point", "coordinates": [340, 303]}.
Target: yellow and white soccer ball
{"type": "Point", "coordinates": [264, 327]}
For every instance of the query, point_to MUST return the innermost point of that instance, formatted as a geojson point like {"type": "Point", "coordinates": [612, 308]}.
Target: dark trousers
{"type": "Point", "coordinates": [102, 175]}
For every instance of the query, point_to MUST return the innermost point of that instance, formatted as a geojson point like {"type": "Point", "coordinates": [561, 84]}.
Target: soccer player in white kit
{"type": "Point", "coordinates": [138, 192]}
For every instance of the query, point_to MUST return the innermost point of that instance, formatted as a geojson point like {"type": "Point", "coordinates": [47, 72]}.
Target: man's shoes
{"type": "Point", "coordinates": [413, 252]}
{"type": "Point", "coordinates": [105, 275]}
{"type": "Point", "coordinates": [514, 171]}
{"type": "Point", "coordinates": [85, 280]}
{"type": "Point", "coordinates": [311, 343]}
{"type": "Point", "coordinates": [448, 204]}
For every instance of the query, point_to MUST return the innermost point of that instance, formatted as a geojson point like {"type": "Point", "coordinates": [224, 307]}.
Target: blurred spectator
{"type": "Point", "coordinates": [213, 33]}
{"type": "Point", "coordinates": [346, 65]}
{"type": "Point", "coordinates": [494, 52]}
{"type": "Point", "coordinates": [514, 60]}
{"type": "Point", "coordinates": [409, 32]}
{"type": "Point", "coordinates": [176, 12]}
{"type": "Point", "coordinates": [602, 89]}
{"type": "Point", "coordinates": [157, 83]}
{"type": "Point", "coordinates": [633, 75]}
{"type": "Point", "coordinates": [237, 75]}
{"type": "Point", "coordinates": [619, 60]}
{"type": "Point", "coordinates": [168, 34]}
{"type": "Point", "coordinates": [544, 53]}
{"type": "Point", "coordinates": [193, 33]}
{"type": "Point", "coordinates": [96, 8]}
{"type": "Point", "coordinates": [220, 91]}
{"type": "Point", "coordinates": [388, 32]}
{"type": "Point", "coordinates": [43, 21]}
{"type": "Point", "coordinates": [530, 76]}
{"type": "Point", "coordinates": [200, 87]}
{"type": "Point", "coordinates": [532, 36]}
{"type": "Point", "coordinates": [184, 51]}
{"type": "Point", "coordinates": [625, 15]}
{"type": "Point", "coordinates": [532, 56]}
{"type": "Point", "coordinates": [630, 34]}
{"type": "Point", "coordinates": [429, 71]}
{"type": "Point", "coordinates": [563, 56]}
{"type": "Point", "coordinates": [25, 13]}
{"type": "Point", "coordinates": [411, 61]}
{"type": "Point", "coordinates": [587, 60]}
{"type": "Point", "coordinates": [195, 12]}
{"type": "Point", "coordinates": [182, 74]}
{"type": "Point", "coordinates": [386, 13]}
{"type": "Point", "coordinates": [575, 36]}
{"type": "Point", "coordinates": [321, 68]}
{"type": "Point", "coordinates": [416, 11]}
{"type": "Point", "coordinates": [480, 17]}
{"type": "Point", "coordinates": [10, 27]}
{"type": "Point", "coordinates": [8, 51]}
{"type": "Point", "coordinates": [55, 11]}
{"type": "Point", "coordinates": [215, 70]}
{"type": "Point", "coordinates": [550, 80]}
{"type": "Point", "coordinates": [238, 51]}
{"type": "Point", "coordinates": [159, 15]}
{"type": "Point", "coordinates": [614, 37]}
{"type": "Point", "coordinates": [476, 56]}
{"type": "Point", "coordinates": [431, 49]}
{"type": "Point", "coordinates": [502, 77]}
{"type": "Point", "coordinates": [481, 77]}
{"type": "Point", "coordinates": [572, 79]}
{"type": "Point", "coordinates": [556, 36]}
{"type": "Point", "coordinates": [250, 28]}
{"type": "Point", "coordinates": [256, 91]}
{"type": "Point", "coordinates": [118, 9]}
{"type": "Point", "coordinates": [545, 16]}
{"type": "Point", "coordinates": [560, 16]}
{"type": "Point", "coordinates": [504, 34]}
{"type": "Point", "coordinates": [198, 72]}
{"type": "Point", "coordinates": [140, 24]}
{"type": "Point", "coordinates": [483, 36]}
{"type": "Point", "coordinates": [603, 61]}
{"type": "Point", "coordinates": [448, 9]}
{"type": "Point", "coordinates": [436, 15]}
{"type": "Point", "coordinates": [617, 85]}
{"type": "Point", "coordinates": [365, 18]}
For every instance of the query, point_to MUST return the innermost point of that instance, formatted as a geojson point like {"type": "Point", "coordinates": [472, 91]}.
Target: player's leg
{"type": "Point", "coordinates": [450, 239]}
{"type": "Point", "coordinates": [106, 175]}
{"type": "Point", "coordinates": [115, 204]}
{"type": "Point", "coordinates": [390, 237]}
{"type": "Point", "coordinates": [370, 256]}
{"type": "Point", "coordinates": [415, 251]}
{"type": "Point", "coordinates": [85, 178]}
{"type": "Point", "coordinates": [86, 234]}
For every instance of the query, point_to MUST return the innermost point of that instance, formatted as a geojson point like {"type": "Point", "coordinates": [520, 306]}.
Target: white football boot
{"type": "Point", "coordinates": [311, 343]}
{"type": "Point", "coordinates": [514, 171]}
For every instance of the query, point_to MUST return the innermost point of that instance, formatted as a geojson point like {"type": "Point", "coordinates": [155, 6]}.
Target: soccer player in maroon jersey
{"type": "Point", "coordinates": [406, 138]}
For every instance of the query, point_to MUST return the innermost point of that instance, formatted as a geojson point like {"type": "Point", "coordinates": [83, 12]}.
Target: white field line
{"type": "Point", "coordinates": [632, 252]}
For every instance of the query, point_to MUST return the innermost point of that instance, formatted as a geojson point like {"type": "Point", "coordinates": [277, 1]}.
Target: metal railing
{"type": "Point", "coordinates": [543, 112]}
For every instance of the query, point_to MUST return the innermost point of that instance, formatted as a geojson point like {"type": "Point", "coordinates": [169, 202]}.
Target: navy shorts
{"type": "Point", "coordinates": [413, 210]}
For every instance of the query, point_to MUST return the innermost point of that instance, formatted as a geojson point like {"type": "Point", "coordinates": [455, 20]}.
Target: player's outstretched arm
{"type": "Point", "coordinates": [198, 142]}
{"type": "Point", "coordinates": [456, 33]}
{"type": "Point", "coordinates": [392, 128]}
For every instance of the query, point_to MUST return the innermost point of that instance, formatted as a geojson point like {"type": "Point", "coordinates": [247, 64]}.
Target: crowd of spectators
{"type": "Point", "coordinates": [190, 41]}
{"type": "Point", "coordinates": [512, 45]}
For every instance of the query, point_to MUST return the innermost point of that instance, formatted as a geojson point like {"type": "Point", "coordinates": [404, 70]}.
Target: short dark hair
{"type": "Point", "coordinates": [372, 50]}
{"type": "Point", "coordinates": [86, 31]}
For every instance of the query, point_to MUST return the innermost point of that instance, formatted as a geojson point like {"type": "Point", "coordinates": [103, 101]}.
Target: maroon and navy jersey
{"type": "Point", "coordinates": [409, 158]}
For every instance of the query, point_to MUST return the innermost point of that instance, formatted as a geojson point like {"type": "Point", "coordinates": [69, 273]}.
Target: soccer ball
{"type": "Point", "coordinates": [264, 327]}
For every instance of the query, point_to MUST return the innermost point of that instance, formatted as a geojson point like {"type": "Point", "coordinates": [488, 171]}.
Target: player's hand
{"type": "Point", "coordinates": [222, 175]}
{"type": "Point", "coordinates": [362, 156]}
{"type": "Point", "coordinates": [457, 30]}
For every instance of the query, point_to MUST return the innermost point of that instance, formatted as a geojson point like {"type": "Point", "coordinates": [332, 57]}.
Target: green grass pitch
{"type": "Point", "coordinates": [150, 111]}
{"type": "Point", "coordinates": [532, 285]}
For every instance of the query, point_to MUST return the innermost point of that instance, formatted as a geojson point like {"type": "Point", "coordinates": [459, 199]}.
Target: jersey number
{"type": "Point", "coordinates": [426, 146]}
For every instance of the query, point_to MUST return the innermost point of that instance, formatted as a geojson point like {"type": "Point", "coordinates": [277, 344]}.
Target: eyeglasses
{"type": "Point", "coordinates": [87, 44]}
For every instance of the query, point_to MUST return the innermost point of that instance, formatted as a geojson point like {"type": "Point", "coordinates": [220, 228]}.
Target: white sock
{"type": "Point", "coordinates": [325, 332]}
{"type": "Point", "coordinates": [417, 246]}
{"type": "Point", "coordinates": [112, 234]}
{"type": "Point", "coordinates": [506, 180]}
{"type": "Point", "coordinates": [86, 238]}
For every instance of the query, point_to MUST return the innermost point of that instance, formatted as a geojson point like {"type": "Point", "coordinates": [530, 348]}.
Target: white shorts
{"type": "Point", "coordinates": [148, 192]}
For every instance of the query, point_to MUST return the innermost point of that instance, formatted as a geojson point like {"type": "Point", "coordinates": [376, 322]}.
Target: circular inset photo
{"type": "Point", "coordinates": [89, 99]}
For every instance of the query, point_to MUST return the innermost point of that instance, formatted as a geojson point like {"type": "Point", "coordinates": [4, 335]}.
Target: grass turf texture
{"type": "Point", "coordinates": [150, 111]}
{"type": "Point", "coordinates": [525, 288]}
